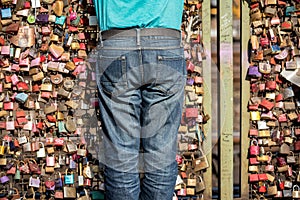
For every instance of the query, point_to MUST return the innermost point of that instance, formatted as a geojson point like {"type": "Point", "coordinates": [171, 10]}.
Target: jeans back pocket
{"type": "Point", "coordinates": [113, 73]}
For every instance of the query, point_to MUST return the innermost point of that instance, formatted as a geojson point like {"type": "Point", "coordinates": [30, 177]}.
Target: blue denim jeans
{"type": "Point", "coordinates": [141, 91]}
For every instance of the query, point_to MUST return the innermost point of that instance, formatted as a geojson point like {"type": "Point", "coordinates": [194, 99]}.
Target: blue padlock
{"type": "Point", "coordinates": [58, 180]}
{"type": "Point", "coordinates": [60, 20]}
{"type": "Point", "coordinates": [66, 39]}
{"type": "Point", "coordinates": [69, 177]}
{"type": "Point", "coordinates": [6, 13]}
{"type": "Point", "coordinates": [21, 97]}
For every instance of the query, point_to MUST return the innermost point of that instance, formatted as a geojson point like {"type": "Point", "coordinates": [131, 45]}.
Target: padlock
{"type": "Point", "coordinates": [68, 177]}
{"type": "Point", "coordinates": [62, 160]}
{"type": "Point", "coordinates": [8, 105]}
{"type": "Point", "coordinates": [50, 150]}
{"type": "Point", "coordinates": [28, 126]}
{"type": "Point", "coordinates": [17, 174]}
{"type": "Point", "coordinates": [190, 191]}
{"type": "Point", "coordinates": [50, 161]}
{"type": "Point", "coordinates": [281, 184]}
{"type": "Point", "coordinates": [182, 190]}
{"type": "Point", "coordinates": [46, 85]}
{"type": "Point", "coordinates": [58, 180]}
{"type": "Point", "coordinates": [68, 84]}
{"type": "Point", "coordinates": [27, 147]}
{"type": "Point", "coordinates": [80, 176]}
{"type": "Point", "coordinates": [6, 13]}
{"type": "Point", "coordinates": [72, 164]}
{"type": "Point", "coordinates": [59, 142]}
{"type": "Point", "coordinates": [81, 151]}
{"type": "Point", "coordinates": [72, 104]}
{"type": "Point", "coordinates": [35, 146]}
{"type": "Point", "coordinates": [14, 79]}
{"type": "Point", "coordinates": [61, 127]}
{"type": "Point", "coordinates": [191, 181]}
{"type": "Point", "coordinates": [88, 172]}
{"type": "Point", "coordinates": [2, 148]}
{"type": "Point", "coordinates": [70, 124]}
{"type": "Point", "coordinates": [87, 182]}
{"type": "Point", "coordinates": [296, 192]}
{"type": "Point", "coordinates": [22, 139]}
{"type": "Point", "coordinates": [34, 182]}
{"type": "Point", "coordinates": [174, 196]}
{"type": "Point", "coordinates": [10, 124]}
{"type": "Point", "coordinates": [288, 184]}
{"type": "Point", "coordinates": [200, 185]}
{"type": "Point", "coordinates": [3, 178]}
{"type": "Point", "coordinates": [41, 153]}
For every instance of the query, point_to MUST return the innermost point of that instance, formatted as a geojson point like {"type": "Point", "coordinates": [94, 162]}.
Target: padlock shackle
{"type": "Point", "coordinates": [296, 186]}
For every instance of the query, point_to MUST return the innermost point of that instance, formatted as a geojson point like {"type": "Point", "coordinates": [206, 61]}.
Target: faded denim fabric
{"type": "Point", "coordinates": [141, 91]}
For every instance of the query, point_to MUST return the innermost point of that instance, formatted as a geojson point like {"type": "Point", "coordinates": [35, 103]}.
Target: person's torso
{"type": "Point", "coordinates": [120, 14]}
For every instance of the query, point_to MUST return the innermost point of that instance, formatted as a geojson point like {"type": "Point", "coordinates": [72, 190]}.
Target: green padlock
{"type": "Point", "coordinates": [97, 195]}
{"type": "Point", "coordinates": [31, 19]}
{"type": "Point", "coordinates": [17, 174]}
{"type": "Point", "coordinates": [61, 127]}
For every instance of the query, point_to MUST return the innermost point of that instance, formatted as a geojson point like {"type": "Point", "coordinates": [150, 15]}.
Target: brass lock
{"type": "Point", "coordinates": [68, 84]}
{"type": "Point", "coordinates": [37, 77]}
{"type": "Point", "coordinates": [56, 78]}
{"type": "Point", "coordinates": [70, 124]}
{"type": "Point", "coordinates": [46, 85]}
{"type": "Point", "coordinates": [60, 116]}
{"type": "Point", "coordinates": [70, 66]}
{"type": "Point", "coordinates": [2, 148]}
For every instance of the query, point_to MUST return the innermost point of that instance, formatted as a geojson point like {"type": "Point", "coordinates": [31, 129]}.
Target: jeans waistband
{"type": "Point", "coordinates": [133, 32]}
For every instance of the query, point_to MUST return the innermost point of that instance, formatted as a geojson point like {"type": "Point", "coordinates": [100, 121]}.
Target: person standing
{"type": "Point", "coordinates": [140, 76]}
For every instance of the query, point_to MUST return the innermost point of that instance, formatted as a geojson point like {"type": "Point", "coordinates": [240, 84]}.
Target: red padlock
{"type": "Point", "coordinates": [178, 159]}
{"type": "Point", "coordinates": [262, 189]}
{"type": "Point", "coordinates": [281, 184]}
{"type": "Point", "coordinates": [254, 148]}
{"type": "Point", "coordinates": [87, 182]}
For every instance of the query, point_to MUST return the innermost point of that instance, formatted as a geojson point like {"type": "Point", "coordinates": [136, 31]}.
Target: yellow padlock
{"type": "Point", "coordinates": [2, 148]}
{"type": "Point", "coordinates": [255, 115]}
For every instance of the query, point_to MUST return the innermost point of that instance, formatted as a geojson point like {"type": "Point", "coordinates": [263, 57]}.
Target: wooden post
{"type": "Point", "coordinates": [207, 144]}
{"type": "Point", "coordinates": [245, 94]}
{"type": "Point", "coordinates": [225, 54]}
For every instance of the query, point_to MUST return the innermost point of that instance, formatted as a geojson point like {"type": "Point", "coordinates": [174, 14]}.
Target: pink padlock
{"type": "Point", "coordinates": [73, 16]}
{"type": "Point", "coordinates": [24, 62]}
{"type": "Point", "coordinates": [14, 79]}
{"type": "Point", "coordinates": [198, 79]}
{"type": "Point", "coordinates": [50, 161]}
{"type": "Point", "coordinates": [290, 171]}
{"type": "Point", "coordinates": [179, 159]}
{"type": "Point", "coordinates": [181, 192]}
{"type": "Point", "coordinates": [5, 50]}
{"type": "Point", "coordinates": [254, 148]}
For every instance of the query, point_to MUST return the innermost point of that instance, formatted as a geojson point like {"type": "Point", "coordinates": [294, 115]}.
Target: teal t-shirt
{"type": "Point", "coordinates": [139, 13]}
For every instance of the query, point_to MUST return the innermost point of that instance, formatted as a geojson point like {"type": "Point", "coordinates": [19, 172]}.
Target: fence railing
{"type": "Point", "coordinates": [225, 97]}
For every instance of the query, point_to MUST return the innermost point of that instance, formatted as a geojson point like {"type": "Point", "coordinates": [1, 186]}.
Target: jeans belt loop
{"type": "Point", "coordinates": [138, 37]}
